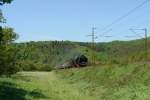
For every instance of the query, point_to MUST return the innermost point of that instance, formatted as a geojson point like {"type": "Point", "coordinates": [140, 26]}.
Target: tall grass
{"type": "Point", "coordinates": [112, 82]}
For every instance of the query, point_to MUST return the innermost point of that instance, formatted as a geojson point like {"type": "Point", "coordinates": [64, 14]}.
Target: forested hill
{"type": "Point", "coordinates": [125, 51]}
{"type": "Point", "coordinates": [45, 55]}
{"type": "Point", "coordinates": [121, 51]}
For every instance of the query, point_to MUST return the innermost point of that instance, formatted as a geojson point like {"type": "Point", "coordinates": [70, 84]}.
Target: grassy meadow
{"type": "Point", "coordinates": [128, 82]}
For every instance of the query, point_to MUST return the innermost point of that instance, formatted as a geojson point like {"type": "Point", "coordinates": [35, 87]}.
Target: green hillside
{"type": "Point", "coordinates": [121, 75]}
{"type": "Point", "coordinates": [46, 55]}
{"type": "Point", "coordinates": [67, 70]}
{"type": "Point", "coordinates": [121, 52]}
{"type": "Point", "coordinates": [124, 51]}
{"type": "Point", "coordinates": [128, 82]}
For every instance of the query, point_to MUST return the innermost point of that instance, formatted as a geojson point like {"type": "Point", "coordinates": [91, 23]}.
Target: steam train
{"type": "Point", "coordinates": [77, 61]}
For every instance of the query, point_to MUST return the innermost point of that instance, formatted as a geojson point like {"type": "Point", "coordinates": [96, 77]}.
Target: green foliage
{"type": "Point", "coordinates": [112, 82]}
{"type": "Point", "coordinates": [8, 36]}
{"type": "Point", "coordinates": [5, 2]}
{"type": "Point", "coordinates": [121, 52]}
{"type": "Point", "coordinates": [2, 19]}
{"type": "Point", "coordinates": [7, 51]}
{"type": "Point", "coordinates": [11, 90]}
{"type": "Point", "coordinates": [47, 54]}
{"type": "Point", "coordinates": [2, 2]}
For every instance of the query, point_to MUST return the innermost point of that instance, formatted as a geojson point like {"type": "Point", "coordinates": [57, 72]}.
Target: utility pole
{"type": "Point", "coordinates": [145, 42]}
{"type": "Point", "coordinates": [93, 44]}
{"type": "Point", "coordinates": [146, 45]}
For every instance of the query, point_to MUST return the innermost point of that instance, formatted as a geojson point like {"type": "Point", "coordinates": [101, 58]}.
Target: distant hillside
{"type": "Point", "coordinates": [126, 51]}
{"type": "Point", "coordinates": [46, 55]}
{"type": "Point", "coordinates": [121, 51]}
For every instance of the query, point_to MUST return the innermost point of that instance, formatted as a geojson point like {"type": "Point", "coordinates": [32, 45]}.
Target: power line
{"type": "Point", "coordinates": [132, 30]}
{"type": "Point", "coordinates": [126, 15]}
{"type": "Point", "coordinates": [107, 31]}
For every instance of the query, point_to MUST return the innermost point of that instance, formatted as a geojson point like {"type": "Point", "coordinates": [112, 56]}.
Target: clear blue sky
{"type": "Point", "coordinates": [36, 20]}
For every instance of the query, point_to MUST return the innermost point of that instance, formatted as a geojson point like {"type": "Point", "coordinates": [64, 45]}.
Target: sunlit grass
{"type": "Point", "coordinates": [113, 82]}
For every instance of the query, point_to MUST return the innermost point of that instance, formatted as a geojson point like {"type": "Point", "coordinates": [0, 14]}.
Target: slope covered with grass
{"type": "Point", "coordinates": [38, 86]}
{"type": "Point", "coordinates": [123, 74]}
{"type": "Point", "coordinates": [129, 82]}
